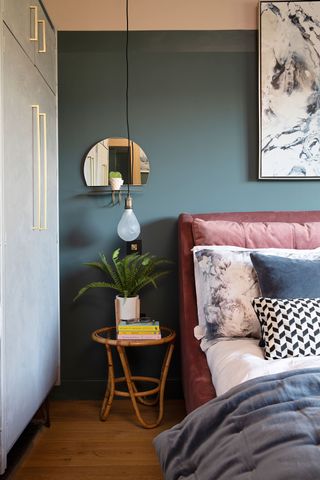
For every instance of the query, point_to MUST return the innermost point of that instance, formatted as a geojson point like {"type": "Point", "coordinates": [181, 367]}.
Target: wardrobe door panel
{"type": "Point", "coordinates": [23, 319]}
{"type": "Point", "coordinates": [21, 17]}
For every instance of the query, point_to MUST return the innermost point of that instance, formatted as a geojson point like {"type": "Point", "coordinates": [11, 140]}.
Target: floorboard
{"type": "Point", "coordinates": [78, 446]}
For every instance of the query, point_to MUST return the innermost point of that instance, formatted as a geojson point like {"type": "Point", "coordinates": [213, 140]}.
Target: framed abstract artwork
{"type": "Point", "coordinates": [289, 90]}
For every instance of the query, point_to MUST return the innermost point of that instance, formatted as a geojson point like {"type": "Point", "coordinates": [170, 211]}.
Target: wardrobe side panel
{"type": "Point", "coordinates": [3, 458]}
{"type": "Point", "coordinates": [45, 61]}
{"type": "Point", "coordinates": [47, 254]}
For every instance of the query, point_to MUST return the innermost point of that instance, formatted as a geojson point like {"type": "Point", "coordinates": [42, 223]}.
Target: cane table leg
{"type": "Point", "coordinates": [133, 392]}
{"type": "Point", "coordinates": [163, 378]}
{"type": "Point", "coordinates": [149, 403]}
{"type": "Point", "coordinates": [141, 400]}
{"type": "Point", "coordinates": [108, 397]}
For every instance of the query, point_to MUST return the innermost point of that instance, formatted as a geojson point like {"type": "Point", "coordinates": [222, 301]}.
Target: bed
{"type": "Point", "coordinates": [296, 385]}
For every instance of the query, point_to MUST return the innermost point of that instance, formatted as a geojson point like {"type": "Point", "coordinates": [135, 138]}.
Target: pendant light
{"type": "Point", "coordinates": [128, 227]}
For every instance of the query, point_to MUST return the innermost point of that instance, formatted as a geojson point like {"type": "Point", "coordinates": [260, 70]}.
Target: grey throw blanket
{"type": "Point", "coordinates": [265, 429]}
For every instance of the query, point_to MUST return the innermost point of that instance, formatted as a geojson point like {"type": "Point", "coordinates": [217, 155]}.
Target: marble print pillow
{"type": "Point", "coordinates": [226, 283]}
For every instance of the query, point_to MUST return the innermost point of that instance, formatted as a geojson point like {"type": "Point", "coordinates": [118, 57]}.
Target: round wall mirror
{"type": "Point", "coordinates": [110, 158]}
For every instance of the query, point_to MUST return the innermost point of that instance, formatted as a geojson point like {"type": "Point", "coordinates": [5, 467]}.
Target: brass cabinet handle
{"type": "Point", "coordinates": [34, 35]}
{"type": "Point", "coordinates": [41, 169]}
{"type": "Point", "coordinates": [43, 226]}
{"type": "Point", "coordinates": [37, 215]}
{"type": "Point", "coordinates": [44, 39]}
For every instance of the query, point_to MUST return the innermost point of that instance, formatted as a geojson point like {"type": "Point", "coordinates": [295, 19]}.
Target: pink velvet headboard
{"type": "Point", "coordinates": [196, 377]}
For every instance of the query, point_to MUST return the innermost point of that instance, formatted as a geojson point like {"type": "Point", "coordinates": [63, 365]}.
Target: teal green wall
{"type": "Point", "coordinates": [193, 109]}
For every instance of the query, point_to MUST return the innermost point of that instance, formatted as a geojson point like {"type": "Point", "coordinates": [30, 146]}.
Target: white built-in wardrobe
{"type": "Point", "coordinates": [29, 313]}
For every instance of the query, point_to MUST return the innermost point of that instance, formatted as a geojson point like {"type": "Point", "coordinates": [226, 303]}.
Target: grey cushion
{"type": "Point", "coordinates": [281, 277]}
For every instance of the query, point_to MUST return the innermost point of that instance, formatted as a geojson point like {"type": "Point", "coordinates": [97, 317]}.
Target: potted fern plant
{"type": "Point", "coordinates": [127, 276]}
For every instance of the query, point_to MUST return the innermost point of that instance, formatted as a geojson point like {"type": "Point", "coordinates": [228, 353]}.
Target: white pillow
{"type": "Point", "coordinates": [226, 284]}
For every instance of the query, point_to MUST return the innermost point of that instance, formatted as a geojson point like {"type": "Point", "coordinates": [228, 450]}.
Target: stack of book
{"type": "Point", "coordinates": [146, 330]}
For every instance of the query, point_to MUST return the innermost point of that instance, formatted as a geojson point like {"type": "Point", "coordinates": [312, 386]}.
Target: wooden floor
{"type": "Point", "coordinates": [78, 446]}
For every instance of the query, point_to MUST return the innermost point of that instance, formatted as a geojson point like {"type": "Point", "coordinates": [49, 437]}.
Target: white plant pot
{"type": "Point", "coordinates": [116, 183]}
{"type": "Point", "coordinates": [127, 308]}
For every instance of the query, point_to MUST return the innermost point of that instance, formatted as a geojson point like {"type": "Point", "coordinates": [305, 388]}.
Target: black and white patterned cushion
{"type": "Point", "coordinates": [290, 328]}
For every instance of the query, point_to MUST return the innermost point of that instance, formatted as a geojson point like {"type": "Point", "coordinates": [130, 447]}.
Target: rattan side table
{"type": "Point", "coordinates": [108, 337]}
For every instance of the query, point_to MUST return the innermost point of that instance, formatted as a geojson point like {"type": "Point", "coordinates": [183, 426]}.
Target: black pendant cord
{"type": "Point", "coordinates": [127, 96]}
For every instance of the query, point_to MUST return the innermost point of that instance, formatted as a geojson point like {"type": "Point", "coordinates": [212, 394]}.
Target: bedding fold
{"type": "Point", "coordinates": [268, 427]}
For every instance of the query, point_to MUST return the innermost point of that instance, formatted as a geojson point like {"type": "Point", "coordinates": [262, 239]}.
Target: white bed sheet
{"type": "Point", "coordinates": [235, 361]}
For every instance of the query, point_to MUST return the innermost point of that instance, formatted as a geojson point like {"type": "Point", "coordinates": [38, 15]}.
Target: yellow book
{"type": "Point", "coordinates": [139, 327]}
{"type": "Point", "coordinates": [139, 332]}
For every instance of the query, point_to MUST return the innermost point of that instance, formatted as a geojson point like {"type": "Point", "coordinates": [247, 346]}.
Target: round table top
{"type": "Point", "coordinates": [108, 336]}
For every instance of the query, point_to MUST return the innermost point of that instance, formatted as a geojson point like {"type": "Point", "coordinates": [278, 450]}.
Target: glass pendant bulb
{"type": "Point", "coordinates": [128, 227]}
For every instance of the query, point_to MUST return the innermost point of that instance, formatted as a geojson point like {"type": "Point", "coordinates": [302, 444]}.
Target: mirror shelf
{"type": "Point", "coordinates": [107, 190]}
